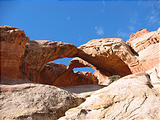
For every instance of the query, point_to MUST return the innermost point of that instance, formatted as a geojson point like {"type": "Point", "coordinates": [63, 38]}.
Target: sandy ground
{"type": "Point", "coordinates": [83, 90]}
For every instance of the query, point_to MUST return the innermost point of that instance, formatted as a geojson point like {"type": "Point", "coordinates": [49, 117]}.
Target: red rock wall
{"type": "Point", "coordinates": [12, 47]}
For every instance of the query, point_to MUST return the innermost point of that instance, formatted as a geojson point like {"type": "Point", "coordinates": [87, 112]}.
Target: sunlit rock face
{"type": "Point", "coordinates": [35, 102]}
{"type": "Point", "coordinates": [147, 47]}
{"type": "Point", "coordinates": [108, 56]}
{"type": "Point", "coordinates": [112, 56]}
{"type": "Point", "coordinates": [12, 47]}
{"type": "Point", "coordinates": [131, 97]}
{"type": "Point", "coordinates": [142, 39]}
{"type": "Point", "coordinates": [23, 60]}
{"type": "Point", "coordinates": [38, 53]}
{"type": "Point", "coordinates": [26, 63]}
{"type": "Point", "coordinates": [36, 67]}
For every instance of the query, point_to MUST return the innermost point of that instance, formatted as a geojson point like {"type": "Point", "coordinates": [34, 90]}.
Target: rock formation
{"type": "Point", "coordinates": [137, 34]}
{"type": "Point", "coordinates": [40, 52]}
{"type": "Point", "coordinates": [59, 75]}
{"type": "Point", "coordinates": [26, 63]}
{"type": "Point", "coordinates": [12, 47]}
{"type": "Point", "coordinates": [23, 60]}
{"type": "Point", "coordinates": [35, 102]}
{"type": "Point", "coordinates": [141, 40]}
{"type": "Point", "coordinates": [72, 78]}
{"type": "Point", "coordinates": [51, 72]}
{"type": "Point", "coordinates": [131, 97]}
{"type": "Point", "coordinates": [118, 57]}
{"type": "Point", "coordinates": [29, 59]}
{"type": "Point", "coordinates": [147, 47]}
{"type": "Point", "coordinates": [115, 54]}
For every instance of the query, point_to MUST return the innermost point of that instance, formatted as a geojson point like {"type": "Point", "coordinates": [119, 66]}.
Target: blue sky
{"type": "Point", "coordinates": [78, 21]}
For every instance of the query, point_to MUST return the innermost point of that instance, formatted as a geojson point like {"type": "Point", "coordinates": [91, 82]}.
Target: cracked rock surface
{"type": "Point", "coordinates": [35, 102]}
{"type": "Point", "coordinates": [131, 97]}
{"type": "Point", "coordinates": [107, 56]}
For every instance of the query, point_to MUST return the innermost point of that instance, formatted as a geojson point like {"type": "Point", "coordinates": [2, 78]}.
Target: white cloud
{"type": "Point", "coordinates": [154, 16]}
{"type": "Point", "coordinates": [99, 30]}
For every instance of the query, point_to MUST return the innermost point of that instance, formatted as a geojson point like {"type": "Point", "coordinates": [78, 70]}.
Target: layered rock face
{"type": "Point", "coordinates": [131, 97]}
{"type": "Point", "coordinates": [111, 56]}
{"type": "Point", "coordinates": [39, 53]}
{"type": "Point", "coordinates": [36, 67]}
{"type": "Point", "coordinates": [59, 75]}
{"type": "Point", "coordinates": [28, 60]}
{"type": "Point", "coordinates": [143, 38]}
{"type": "Point", "coordinates": [72, 78]}
{"type": "Point", "coordinates": [137, 34]}
{"type": "Point", "coordinates": [12, 47]}
{"type": "Point", "coordinates": [147, 47]}
{"type": "Point", "coordinates": [51, 72]}
{"type": "Point", "coordinates": [23, 60]}
{"type": "Point", "coordinates": [35, 102]}
{"type": "Point", "coordinates": [108, 56]}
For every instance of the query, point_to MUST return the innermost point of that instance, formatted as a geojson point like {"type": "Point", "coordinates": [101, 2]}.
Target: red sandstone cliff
{"type": "Point", "coordinates": [134, 96]}
{"type": "Point", "coordinates": [22, 59]}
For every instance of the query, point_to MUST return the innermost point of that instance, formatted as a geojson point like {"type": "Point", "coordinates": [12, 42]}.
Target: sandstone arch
{"type": "Point", "coordinates": [107, 56]}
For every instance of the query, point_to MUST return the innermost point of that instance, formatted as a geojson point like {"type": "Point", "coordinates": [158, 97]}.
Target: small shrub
{"type": "Point", "coordinates": [114, 78]}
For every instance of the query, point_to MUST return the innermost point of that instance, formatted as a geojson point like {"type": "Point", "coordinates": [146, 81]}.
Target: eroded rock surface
{"type": "Point", "coordinates": [137, 34]}
{"type": "Point", "coordinates": [12, 47]}
{"type": "Point", "coordinates": [23, 60]}
{"type": "Point", "coordinates": [35, 102]}
{"type": "Point", "coordinates": [144, 40]}
{"type": "Point", "coordinates": [147, 47]}
{"type": "Point", "coordinates": [51, 72]}
{"type": "Point", "coordinates": [58, 75]}
{"type": "Point", "coordinates": [73, 78]}
{"type": "Point", "coordinates": [111, 56]}
{"type": "Point", "coordinates": [154, 74]}
{"type": "Point", "coordinates": [40, 52]}
{"type": "Point", "coordinates": [131, 97]}
{"type": "Point", "coordinates": [108, 56]}
{"type": "Point", "coordinates": [135, 96]}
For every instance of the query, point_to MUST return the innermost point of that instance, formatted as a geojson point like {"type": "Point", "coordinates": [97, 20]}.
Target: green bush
{"type": "Point", "coordinates": [114, 78]}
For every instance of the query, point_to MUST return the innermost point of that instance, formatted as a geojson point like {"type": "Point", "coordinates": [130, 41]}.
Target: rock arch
{"type": "Point", "coordinates": [107, 56]}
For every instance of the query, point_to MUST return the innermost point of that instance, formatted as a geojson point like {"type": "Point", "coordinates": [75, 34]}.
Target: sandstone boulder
{"type": "Point", "coordinates": [129, 98]}
{"type": "Point", "coordinates": [35, 102]}
{"type": "Point", "coordinates": [12, 47]}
